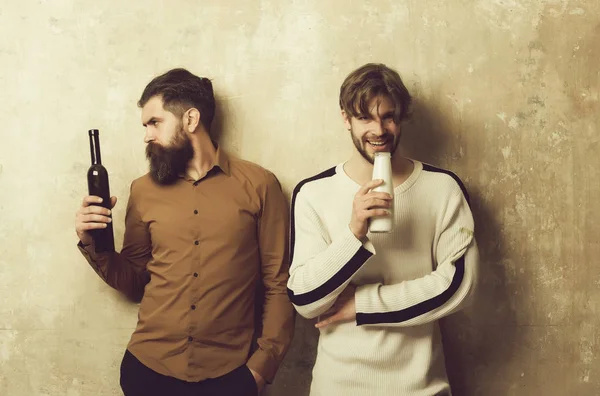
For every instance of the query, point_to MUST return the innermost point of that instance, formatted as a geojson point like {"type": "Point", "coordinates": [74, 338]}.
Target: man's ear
{"type": "Point", "coordinates": [346, 119]}
{"type": "Point", "coordinates": [191, 120]}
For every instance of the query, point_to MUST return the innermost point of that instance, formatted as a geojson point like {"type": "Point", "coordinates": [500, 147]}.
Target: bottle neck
{"type": "Point", "coordinates": [95, 149]}
{"type": "Point", "coordinates": [382, 161]}
{"type": "Point", "coordinates": [382, 157]}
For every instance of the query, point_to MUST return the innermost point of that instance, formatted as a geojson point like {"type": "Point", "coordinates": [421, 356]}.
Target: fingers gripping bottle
{"type": "Point", "coordinates": [382, 169]}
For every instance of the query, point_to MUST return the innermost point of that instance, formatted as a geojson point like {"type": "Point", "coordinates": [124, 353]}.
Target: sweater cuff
{"type": "Point", "coordinates": [365, 242]}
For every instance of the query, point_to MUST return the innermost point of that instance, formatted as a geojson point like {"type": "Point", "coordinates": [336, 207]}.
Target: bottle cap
{"type": "Point", "coordinates": [94, 132]}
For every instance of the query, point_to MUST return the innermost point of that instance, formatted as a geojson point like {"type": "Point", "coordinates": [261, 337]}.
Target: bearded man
{"type": "Point", "coordinates": [205, 239]}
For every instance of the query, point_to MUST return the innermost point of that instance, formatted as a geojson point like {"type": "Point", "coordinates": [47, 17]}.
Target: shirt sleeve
{"type": "Point", "coordinates": [277, 313]}
{"type": "Point", "coordinates": [321, 268]}
{"type": "Point", "coordinates": [125, 271]}
{"type": "Point", "coordinates": [444, 291]}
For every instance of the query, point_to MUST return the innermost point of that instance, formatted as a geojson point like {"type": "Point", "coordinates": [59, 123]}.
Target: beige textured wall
{"type": "Point", "coordinates": [506, 95]}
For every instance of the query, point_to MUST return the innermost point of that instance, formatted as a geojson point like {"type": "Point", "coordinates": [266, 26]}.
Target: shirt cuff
{"type": "Point", "coordinates": [263, 364]}
{"type": "Point", "coordinates": [86, 250]}
{"type": "Point", "coordinates": [94, 259]}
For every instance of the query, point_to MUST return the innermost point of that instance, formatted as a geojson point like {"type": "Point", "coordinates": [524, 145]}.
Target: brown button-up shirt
{"type": "Point", "coordinates": [195, 253]}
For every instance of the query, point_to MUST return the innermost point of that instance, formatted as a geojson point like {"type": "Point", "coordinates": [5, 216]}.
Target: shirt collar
{"type": "Point", "coordinates": [222, 161]}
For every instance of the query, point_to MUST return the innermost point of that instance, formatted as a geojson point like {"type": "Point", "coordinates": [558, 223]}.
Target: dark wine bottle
{"type": "Point", "coordinates": [97, 177]}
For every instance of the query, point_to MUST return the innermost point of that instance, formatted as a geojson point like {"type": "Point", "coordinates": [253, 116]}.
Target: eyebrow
{"type": "Point", "coordinates": [151, 120]}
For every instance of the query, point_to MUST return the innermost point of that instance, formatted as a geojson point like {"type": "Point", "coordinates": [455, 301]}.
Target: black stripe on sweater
{"type": "Point", "coordinates": [328, 173]}
{"type": "Point", "coordinates": [420, 308]}
{"type": "Point", "coordinates": [334, 282]}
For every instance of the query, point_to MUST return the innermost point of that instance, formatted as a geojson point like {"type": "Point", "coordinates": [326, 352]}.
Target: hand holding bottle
{"type": "Point", "coordinates": [368, 204]}
{"type": "Point", "coordinates": [92, 216]}
{"type": "Point", "coordinates": [382, 169]}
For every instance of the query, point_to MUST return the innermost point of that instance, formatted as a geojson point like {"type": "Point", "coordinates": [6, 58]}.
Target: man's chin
{"type": "Point", "coordinates": [367, 157]}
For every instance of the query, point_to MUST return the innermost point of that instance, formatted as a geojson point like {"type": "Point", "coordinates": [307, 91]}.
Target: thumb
{"type": "Point", "coordinates": [113, 202]}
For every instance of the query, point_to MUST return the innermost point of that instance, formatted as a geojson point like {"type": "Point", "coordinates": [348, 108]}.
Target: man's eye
{"type": "Point", "coordinates": [362, 118]}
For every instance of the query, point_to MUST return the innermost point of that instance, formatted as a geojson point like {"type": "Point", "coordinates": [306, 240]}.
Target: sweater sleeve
{"type": "Point", "coordinates": [444, 291]}
{"type": "Point", "coordinates": [321, 268]}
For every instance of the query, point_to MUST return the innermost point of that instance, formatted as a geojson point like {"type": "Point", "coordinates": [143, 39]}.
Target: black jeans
{"type": "Point", "coordinates": [139, 380]}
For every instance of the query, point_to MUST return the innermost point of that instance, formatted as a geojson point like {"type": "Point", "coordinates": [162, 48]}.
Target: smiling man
{"type": "Point", "coordinates": [378, 296]}
{"type": "Point", "coordinates": [204, 232]}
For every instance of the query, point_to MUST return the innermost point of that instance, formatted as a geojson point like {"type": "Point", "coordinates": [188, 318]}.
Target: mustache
{"type": "Point", "coordinates": [154, 149]}
{"type": "Point", "coordinates": [385, 136]}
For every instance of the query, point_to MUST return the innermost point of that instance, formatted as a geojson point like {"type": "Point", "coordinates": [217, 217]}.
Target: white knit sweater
{"type": "Point", "coordinates": [426, 268]}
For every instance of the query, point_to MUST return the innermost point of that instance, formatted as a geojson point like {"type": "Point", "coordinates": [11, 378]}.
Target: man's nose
{"type": "Point", "coordinates": [379, 128]}
{"type": "Point", "coordinates": [149, 136]}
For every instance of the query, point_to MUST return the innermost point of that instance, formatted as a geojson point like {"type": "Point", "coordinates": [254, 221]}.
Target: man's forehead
{"type": "Point", "coordinates": [153, 107]}
{"type": "Point", "coordinates": [378, 104]}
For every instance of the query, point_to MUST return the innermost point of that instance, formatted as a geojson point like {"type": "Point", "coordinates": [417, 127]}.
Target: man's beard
{"type": "Point", "coordinates": [168, 163]}
{"type": "Point", "coordinates": [361, 145]}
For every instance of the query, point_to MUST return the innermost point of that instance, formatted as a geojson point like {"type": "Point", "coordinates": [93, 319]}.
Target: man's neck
{"type": "Point", "coordinates": [205, 156]}
{"type": "Point", "coordinates": [361, 171]}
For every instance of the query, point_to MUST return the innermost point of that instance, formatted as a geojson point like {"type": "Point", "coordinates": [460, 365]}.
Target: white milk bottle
{"type": "Point", "coordinates": [382, 169]}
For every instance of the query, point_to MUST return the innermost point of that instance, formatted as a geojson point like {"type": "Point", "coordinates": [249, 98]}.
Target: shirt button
{"type": "Point", "coordinates": [195, 274]}
{"type": "Point", "coordinates": [190, 339]}
{"type": "Point", "coordinates": [196, 243]}
{"type": "Point", "coordinates": [195, 212]}
{"type": "Point", "coordinates": [193, 307]}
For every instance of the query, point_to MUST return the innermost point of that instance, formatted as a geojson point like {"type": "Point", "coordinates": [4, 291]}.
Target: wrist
{"type": "Point", "coordinates": [84, 242]}
{"type": "Point", "coordinates": [260, 381]}
{"type": "Point", "coordinates": [357, 234]}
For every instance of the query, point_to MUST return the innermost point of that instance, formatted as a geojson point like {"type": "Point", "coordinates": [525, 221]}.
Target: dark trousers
{"type": "Point", "coordinates": [139, 380]}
